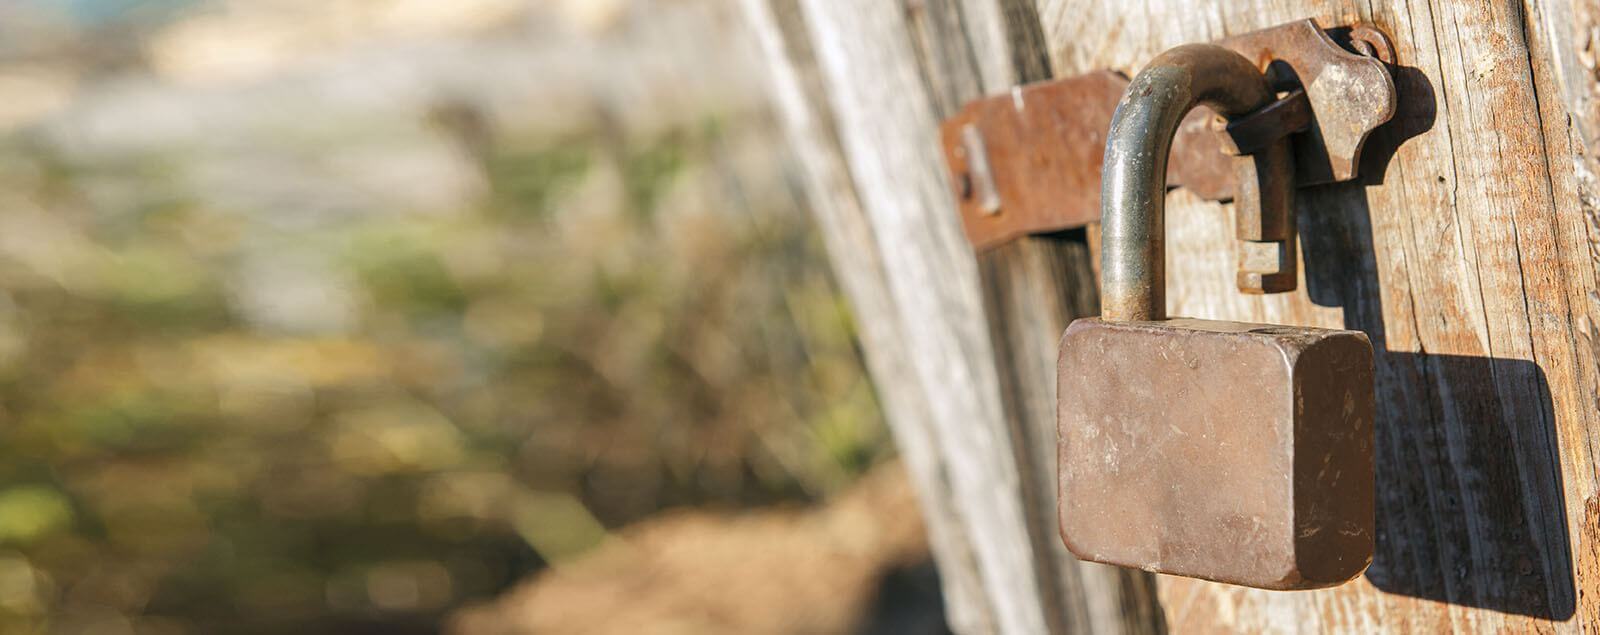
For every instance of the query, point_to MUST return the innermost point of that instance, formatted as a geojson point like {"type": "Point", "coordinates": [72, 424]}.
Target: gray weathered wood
{"type": "Point", "coordinates": [885, 132]}
{"type": "Point", "coordinates": [895, 243]}
{"type": "Point", "coordinates": [853, 251]}
{"type": "Point", "coordinates": [1470, 256]}
{"type": "Point", "coordinates": [1471, 267]}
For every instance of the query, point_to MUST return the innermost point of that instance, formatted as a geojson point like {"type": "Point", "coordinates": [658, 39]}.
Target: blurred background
{"type": "Point", "coordinates": [395, 316]}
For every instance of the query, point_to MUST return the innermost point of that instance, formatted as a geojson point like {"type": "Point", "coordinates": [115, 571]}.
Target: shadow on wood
{"type": "Point", "coordinates": [1470, 509]}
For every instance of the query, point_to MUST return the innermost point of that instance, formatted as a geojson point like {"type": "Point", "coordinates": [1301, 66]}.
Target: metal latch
{"type": "Point", "coordinates": [1029, 161]}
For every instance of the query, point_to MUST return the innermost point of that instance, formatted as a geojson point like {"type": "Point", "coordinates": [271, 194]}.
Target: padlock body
{"type": "Point", "coordinates": [1233, 452]}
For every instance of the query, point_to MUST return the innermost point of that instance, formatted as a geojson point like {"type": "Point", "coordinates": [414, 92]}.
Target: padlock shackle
{"type": "Point", "coordinates": [1133, 181]}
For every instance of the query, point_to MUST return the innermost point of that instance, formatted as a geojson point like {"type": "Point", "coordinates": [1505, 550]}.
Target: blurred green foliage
{"type": "Point", "coordinates": [612, 327]}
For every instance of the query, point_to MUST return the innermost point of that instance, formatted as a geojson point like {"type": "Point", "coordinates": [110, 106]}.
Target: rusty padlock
{"type": "Point", "coordinates": [1232, 452]}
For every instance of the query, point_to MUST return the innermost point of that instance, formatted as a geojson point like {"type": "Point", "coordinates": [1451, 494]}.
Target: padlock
{"type": "Point", "coordinates": [1232, 452]}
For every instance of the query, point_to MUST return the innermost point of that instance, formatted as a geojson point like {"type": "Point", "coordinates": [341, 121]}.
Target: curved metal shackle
{"type": "Point", "coordinates": [1134, 174]}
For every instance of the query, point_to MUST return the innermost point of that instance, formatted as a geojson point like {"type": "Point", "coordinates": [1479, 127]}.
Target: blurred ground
{"type": "Point", "coordinates": [335, 316]}
{"type": "Point", "coordinates": [856, 565]}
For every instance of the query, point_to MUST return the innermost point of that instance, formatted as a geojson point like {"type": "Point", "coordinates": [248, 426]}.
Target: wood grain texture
{"type": "Point", "coordinates": [852, 249]}
{"type": "Point", "coordinates": [886, 133]}
{"type": "Point", "coordinates": [1031, 290]}
{"type": "Point", "coordinates": [859, 86]}
{"type": "Point", "coordinates": [1469, 258]}
{"type": "Point", "coordinates": [909, 277]}
{"type": "Point", "coordinates": [1562, 39]}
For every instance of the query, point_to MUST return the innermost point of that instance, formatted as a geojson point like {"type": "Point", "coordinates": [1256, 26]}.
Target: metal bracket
{"type": "Point", "coordinates": [1028, 161]}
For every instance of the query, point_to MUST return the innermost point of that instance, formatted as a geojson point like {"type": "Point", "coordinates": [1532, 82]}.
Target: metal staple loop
{"type": "Point", "coordinates": [1252, 132]}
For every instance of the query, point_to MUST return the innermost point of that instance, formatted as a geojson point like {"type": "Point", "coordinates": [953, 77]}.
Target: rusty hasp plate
{"type": "Point", "coordinates": [1350, 93]}
{"type": "Point", "coordinates": [1028, 161]}
{"type": "Point", "coordinates": [1240, 453]}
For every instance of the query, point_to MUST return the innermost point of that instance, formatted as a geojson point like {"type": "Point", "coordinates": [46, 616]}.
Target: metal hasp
{"type": "Point", "coordinates": [1028, 161]}
{"type": "Point", "coordinates": [1240, 453]}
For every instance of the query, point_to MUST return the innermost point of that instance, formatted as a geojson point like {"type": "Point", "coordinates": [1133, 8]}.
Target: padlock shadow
{"type": "Point", "coordinates": [1470, 509]}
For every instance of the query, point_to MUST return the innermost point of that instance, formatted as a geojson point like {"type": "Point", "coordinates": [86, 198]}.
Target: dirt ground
{"type": "Point", "coordinates": [857, 564]}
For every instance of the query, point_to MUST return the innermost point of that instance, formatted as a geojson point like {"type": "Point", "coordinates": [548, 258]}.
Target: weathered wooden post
{"type": "Point", "coordinates": [1468, 254]}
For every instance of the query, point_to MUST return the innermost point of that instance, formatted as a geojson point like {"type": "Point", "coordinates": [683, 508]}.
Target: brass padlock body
{"type": "Point", "coordinates": [1233, 452]}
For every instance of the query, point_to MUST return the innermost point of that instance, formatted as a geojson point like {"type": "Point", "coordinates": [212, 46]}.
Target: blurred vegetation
{"type": "Point", "coordinates": [221, 419]}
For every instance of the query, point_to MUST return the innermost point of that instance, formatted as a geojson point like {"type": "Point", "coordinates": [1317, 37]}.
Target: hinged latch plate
{"type": "Point", "coordinates": [1028, 161]}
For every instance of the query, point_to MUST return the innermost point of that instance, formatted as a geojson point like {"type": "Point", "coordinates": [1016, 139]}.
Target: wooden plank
{"type": "Point", "coordinates": [852, 250]}
{"type": "Point", "coordinates": [1472, 261]}
{"type": "Point", "coordinates": [1032, 289]}
{"type": "Point", "coordinates": [862, 123]}
{"type": "Point", "coordinates": [1469, 262]}
{"type": "Point", "coordinates": [932, 282]}
{"type": "Point", "coordinates": [1561, 38]}
{"type": "Point", "coordinates": [926, 298]}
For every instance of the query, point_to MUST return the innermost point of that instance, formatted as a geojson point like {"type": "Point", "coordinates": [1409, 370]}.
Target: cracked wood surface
{"type": "Point", "coordinates": [1468, 259]}
{"type": "Point", "coordinates": [1469, 255]}
{"type": "Point", "coordinates": [962, 351]}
